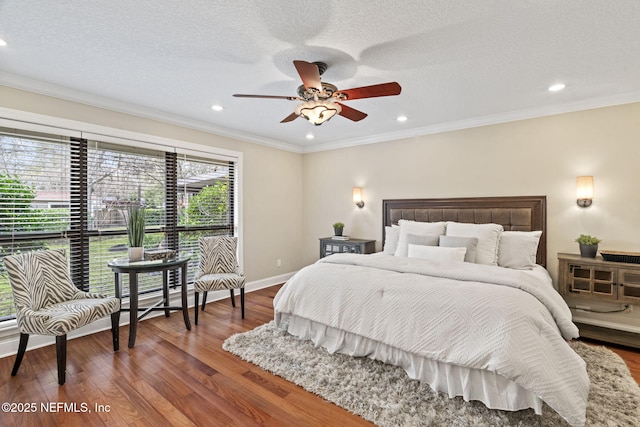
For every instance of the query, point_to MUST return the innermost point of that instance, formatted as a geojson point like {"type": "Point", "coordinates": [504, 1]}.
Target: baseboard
{"type": "Point", "coordinates": [9, 335]}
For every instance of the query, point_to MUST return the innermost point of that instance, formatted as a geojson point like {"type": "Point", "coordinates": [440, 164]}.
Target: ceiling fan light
{"type": "Point", "coordinates": [318, 112]}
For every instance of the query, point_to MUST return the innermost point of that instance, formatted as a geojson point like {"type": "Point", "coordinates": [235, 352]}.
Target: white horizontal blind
{"type": "Point", "coordinates": [205, 196]}
{"type": "Point", "coordinates": [119, 176]}
{"type": "Point", "coordinates": [71, 193]}
{"type": "Point", "coordinates": [205, 192]}
{"type": "Point", "coordinates": [35, 198]}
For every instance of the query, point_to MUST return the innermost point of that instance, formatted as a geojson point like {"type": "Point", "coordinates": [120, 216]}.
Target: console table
{"type": "Point", "coordinates": [133, 268]}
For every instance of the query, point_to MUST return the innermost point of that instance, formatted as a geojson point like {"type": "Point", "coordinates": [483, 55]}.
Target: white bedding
{"type": "Point", "coordinates": [509, 322]}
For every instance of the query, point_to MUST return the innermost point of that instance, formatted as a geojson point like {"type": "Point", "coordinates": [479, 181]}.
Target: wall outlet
{"type": "Point", "coordinates": [278, 263]}
{"type": "Point", "coordinates": [628, 308]}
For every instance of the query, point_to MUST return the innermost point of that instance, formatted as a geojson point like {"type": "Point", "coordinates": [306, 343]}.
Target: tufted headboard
{"type": "Point", "coordinates": [517, 213]}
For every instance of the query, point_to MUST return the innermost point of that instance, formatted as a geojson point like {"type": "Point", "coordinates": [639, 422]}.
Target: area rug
{"type": "Point", "coordinates": [386, 396]}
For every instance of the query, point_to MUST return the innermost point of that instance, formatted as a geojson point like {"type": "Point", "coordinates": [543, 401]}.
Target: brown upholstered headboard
{"type": "Point", "coordinates": [517, 213]}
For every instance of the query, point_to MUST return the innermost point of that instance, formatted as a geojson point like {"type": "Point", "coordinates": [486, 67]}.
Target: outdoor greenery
{"type": "Point", "coordinates": [208, 206]}
{"type": "Point", "coordinates": [17, 213]}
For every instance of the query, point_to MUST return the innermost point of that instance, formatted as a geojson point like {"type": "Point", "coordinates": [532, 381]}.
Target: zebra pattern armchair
{"type": "Point", "coordinates": [48, 303]}
{"type": "Point", "coordinates": [218, 270]}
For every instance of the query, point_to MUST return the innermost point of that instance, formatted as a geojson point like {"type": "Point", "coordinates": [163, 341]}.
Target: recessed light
{"type": "Point", "coordinates": [310, 136]}
{"type": "Point", "coordinates": [3, 43]}
{"type": "Point", "coordinates": [556, 87]}
{"type": "Point", "coordinates": [217, 107]}
{"type": "Point", "coordinates": [402, 118]}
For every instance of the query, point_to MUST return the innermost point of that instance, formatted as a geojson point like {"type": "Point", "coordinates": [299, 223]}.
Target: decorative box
{"type": "Point", "coordinates": [158, 254]}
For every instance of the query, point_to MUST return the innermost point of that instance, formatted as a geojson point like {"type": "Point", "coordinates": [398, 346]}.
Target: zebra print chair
{"type": "Point", "coordinates": [48, 303]}
{"type": "Point", "coordinates": [218, 270]}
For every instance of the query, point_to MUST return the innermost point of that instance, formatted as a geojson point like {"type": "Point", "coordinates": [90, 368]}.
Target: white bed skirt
{"type": "Point", "coordinates": [494, 390]}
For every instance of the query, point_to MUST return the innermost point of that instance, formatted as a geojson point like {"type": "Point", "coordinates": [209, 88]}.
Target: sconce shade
{"type": "Point", "coordinates": [357, 197]}
{"type": "Point", "coordinates": [584, 191]}
{"type": "Point", "coordinates": [318, 112]}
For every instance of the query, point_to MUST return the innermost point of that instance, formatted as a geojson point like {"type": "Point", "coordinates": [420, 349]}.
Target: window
{"type": "Point", "coordinates": [73, 193]}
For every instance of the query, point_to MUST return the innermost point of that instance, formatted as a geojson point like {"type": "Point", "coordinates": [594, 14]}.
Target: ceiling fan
{"type": "Point", "coordinates": [320, 98]}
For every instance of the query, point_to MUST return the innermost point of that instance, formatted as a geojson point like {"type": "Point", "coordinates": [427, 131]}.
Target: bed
{"type": "Point", "coordinates": [459, 297]}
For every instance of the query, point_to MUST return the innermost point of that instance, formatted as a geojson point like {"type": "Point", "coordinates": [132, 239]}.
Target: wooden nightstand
{"type": "Point", "coordinates": [593, 279]}
{"type": "Point", "coordinates": [596, 279]}
{"type": "Point", "coordinates": [329, 245]}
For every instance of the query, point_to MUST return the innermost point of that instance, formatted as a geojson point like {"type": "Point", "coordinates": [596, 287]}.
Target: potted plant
{"type": "Point", "coordinates": [337, 228]}
{"type": "Point", "coordinates": [588, 245]}
{"type": "Point", "coordinates": [136, 221]}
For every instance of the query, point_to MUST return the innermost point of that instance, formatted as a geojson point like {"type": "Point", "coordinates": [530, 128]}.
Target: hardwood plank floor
{"type": "Point", "coordinates": [172, 377]}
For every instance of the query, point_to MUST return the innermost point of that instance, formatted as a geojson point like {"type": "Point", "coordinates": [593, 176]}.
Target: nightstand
{"type": "Point", "coordinates": [593, 279]}
{"type": "Point", "coordinates": [596, 279]}
{"type": "Point", "coordinates": [329, 245]}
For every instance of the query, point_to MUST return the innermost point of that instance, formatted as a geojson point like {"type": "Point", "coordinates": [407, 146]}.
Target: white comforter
{"type": "Point", "coordinates": [507, 321]}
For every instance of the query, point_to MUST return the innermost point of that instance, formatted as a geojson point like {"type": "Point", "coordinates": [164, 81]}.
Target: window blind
{"type": "Point", "coordinates": [119, 176]}
{"type": "Point", "coordinates": [35, 198]}
{"type": "Point", "coordinates": [72, 193]}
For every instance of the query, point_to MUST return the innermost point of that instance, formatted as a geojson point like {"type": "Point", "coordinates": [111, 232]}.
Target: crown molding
{"type": "Point", "coordinates": [52, 90]}
{"type": "Point", "coordinates": [48, 89]}
{"type": "Point", "coordinates": [512, 116]}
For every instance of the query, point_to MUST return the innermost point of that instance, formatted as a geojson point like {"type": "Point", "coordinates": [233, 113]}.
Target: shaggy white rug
{"type": "Point", "coordinates": [386, 396]}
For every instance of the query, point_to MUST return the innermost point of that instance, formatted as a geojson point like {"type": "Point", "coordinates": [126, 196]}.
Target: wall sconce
{"type": "Point", "coordinates": [357, 197]}
{"type": "Point", "coordinates": [584, 191]}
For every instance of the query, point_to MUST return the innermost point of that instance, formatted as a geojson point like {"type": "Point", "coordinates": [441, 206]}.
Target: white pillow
{"type": "Point", "coordinates": [391, 236]}
{"type": "Point", "coordinates": [436, 253]}
{"type": "Point", "coordinates": [416, 227]}
{"type": "Point", "coordinates": [518, 249]}
{"type": "Point", "coordinates": [488, 236]}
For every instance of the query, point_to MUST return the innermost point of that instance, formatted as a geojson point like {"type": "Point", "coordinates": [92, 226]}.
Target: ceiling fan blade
{"type": "Point", "coordinates": [351, 113]}
{"type": "Point", "coordinates": [383, 89]}
{"type": "Point", "coordinates": [289, 98]}
{"type": "Point", "coordinates": [291, 117]}
{"type": "Point", "coordinates": [309, 73]}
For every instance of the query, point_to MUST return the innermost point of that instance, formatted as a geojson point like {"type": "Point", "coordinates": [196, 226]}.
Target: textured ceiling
{"type": "Point", "coordinates": [460, 63]}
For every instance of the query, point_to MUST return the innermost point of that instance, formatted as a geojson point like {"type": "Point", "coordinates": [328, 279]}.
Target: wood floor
{"type": "Point", "coordinates": [171, 377]}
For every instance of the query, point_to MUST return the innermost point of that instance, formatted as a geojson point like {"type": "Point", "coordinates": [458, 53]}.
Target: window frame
{"type": "Point", "coordinates": [30, 122]}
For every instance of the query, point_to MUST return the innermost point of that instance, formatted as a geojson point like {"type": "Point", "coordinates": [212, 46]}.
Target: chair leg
{"type": "Point", "coordinates": [115, 330]}
{"type": "Point", "coordinates": [233, 298]}
{"type": "Point", "coordinates": [22, 348]}
{"type": "Point", "coordinates": [197, 297]}
{"type": "Point", "coordinates": [242, 301]}
{"type": "Point", "coordinates": [61, 355]}
{"type": "Point", "coordinates": [204, 299]}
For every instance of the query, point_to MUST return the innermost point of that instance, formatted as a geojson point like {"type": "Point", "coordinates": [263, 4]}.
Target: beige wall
{"type": "Point", "coordinates": [540, 156]}
{"type": "Point", "coordinates": [290, 200]}
{"type": "Point", "coordinates": [272, 179]}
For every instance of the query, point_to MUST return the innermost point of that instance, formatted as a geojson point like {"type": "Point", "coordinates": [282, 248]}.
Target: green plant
{"type": "Point", "coordinates": [585, 239]}
{"type": "Point", "coordinates": [208, 207]}
{"type": "Point", "coordinates": [338, 225]}
{"type": "Point", "coordinates": [136, 222]}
